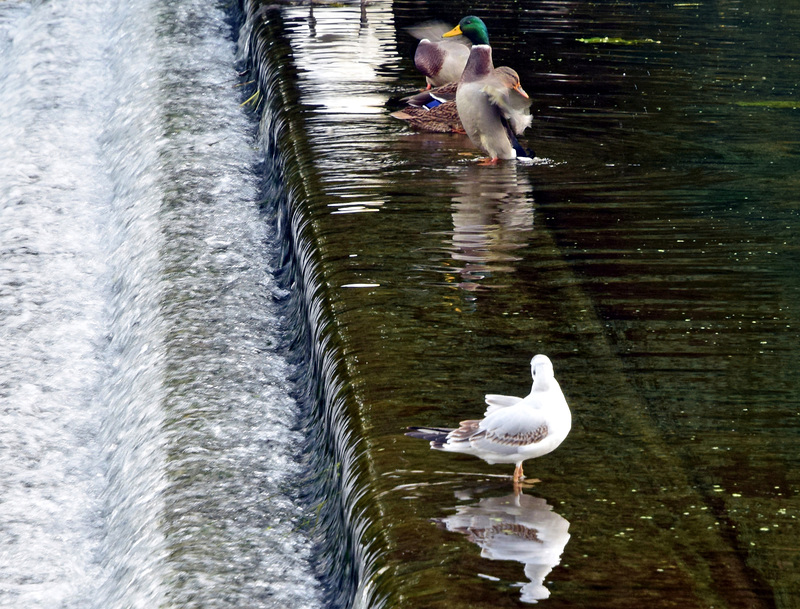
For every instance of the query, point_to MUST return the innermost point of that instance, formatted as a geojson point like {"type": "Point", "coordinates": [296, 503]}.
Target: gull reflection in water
{"type": "Point", "coordinates": [492, 218]}
{"type": "Point", "coordinates": [515, 527]}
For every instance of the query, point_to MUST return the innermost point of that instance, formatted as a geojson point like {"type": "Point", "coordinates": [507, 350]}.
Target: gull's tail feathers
{"type": "Point", "coordinates": [437, 436]}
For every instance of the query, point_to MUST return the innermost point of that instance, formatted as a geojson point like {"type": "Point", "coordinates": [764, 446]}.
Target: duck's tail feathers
{"type": "Point", "coordinates": [403, 116]}
{"type": "Point", "coordinates": [515, 142]}
{"type": "Point", "coordinates": [437, 436]}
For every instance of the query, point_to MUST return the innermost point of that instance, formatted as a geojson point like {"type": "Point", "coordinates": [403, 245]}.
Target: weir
{"type": "Point", "coordinates": [222, 302]}
{"type": "Point", "coordinates": [337, 481]}
{"type": "Point", "coordinates": [412, 264]}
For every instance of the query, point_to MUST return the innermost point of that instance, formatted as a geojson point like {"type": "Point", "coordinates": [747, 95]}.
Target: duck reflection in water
{"type": "Point", "coordinates": [492, 219]}
{"type": "Point", "coordinates": [515, 527]}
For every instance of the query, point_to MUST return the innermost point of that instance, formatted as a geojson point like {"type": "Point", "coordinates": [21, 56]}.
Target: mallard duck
{"type": "Point", "coordinates": [433, 110]}
{"type": "Point", "coordinates": [440, 118]}
{"type": "Point", "coordinates": [514, 429]}
{"type": "Point", "coordinates": [441, 61]}
{"type": "Point", "coordinates": [492, 105]}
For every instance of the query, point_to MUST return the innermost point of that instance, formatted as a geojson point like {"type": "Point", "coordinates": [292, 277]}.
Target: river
{"type": "Point", "coordinates": [229, 280]}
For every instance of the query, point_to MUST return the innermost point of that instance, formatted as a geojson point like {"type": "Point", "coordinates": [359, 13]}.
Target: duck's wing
{"type": "Point", "coordinates": [440, 60]}
{"type": "Point", "coordinates": [495, 402]}
{"type": "Point", "coordinates": [512, 137]}
{"type": "Point", "coordinates": [432, 97]}
{"type": "Point", "coordinates": [429, 58]}
{"type": "Point", "coordinates": [432, 30]}
{"type": "Point", "coordinates": [445, 92]}
{"type": "Point", "coordinates": [513, 109]}
{"type": "Point", "coordinates": [512, 103]}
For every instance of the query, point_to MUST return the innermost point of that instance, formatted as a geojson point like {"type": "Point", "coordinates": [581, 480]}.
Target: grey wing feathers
{"type": "Point", "coordinates": [496, 401]}
{"type": "Point", "coordinates": [515, 109]}
{"type": "Point", "coordinates": [432, 30]}
{"type": "Point", "coordinates": [531, 436]}
{"type": "Point", "coordinates": [510, 428]}
{"type": "Point", "coordinates": [518, 121]}
{"type": "Point", "coordinates": [510, 104]}
{"type": "Point", "coordinates": [466, 431]}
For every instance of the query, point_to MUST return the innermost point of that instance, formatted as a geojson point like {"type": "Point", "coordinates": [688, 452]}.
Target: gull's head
{"type": "Point", "coordinates": [542, 372]}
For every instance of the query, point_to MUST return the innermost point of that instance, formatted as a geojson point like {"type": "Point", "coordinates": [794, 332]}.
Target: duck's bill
{"type": "Point", "coordinates": [518, 88]}
{"type": "Point", "coordinates": [456, 31]}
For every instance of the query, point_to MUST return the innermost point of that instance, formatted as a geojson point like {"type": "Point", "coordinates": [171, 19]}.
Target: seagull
{"type": "Point", "coordinates": [514, 429]}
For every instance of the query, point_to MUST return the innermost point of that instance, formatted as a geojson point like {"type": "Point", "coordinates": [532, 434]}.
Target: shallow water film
{"type": "Point", "coordinates": [230, 280]}
{"type": "Point", "coordinates": [649, 249]}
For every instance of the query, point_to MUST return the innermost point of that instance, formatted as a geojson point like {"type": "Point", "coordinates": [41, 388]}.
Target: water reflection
{"type": "Point", "coordinates": [492, 218]}
{"type": "Point", "coordinates": [515, 527]}
{"type": "Point", "coordinates": [312, 21]}
{"type": "Point", "coordinates": [352, 50]}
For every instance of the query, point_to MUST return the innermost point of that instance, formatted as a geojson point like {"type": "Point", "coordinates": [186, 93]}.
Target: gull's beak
{"type": "Point", "coordinates": [456, 31]}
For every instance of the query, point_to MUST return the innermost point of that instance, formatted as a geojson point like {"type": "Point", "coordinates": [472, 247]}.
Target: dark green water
{"type": "Point", "coordinates": [651, 252]}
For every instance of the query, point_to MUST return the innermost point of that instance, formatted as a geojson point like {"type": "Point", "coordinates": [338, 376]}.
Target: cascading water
{"type": "Point", "coordinates": [166, 266]}
{"type": "Point", "coordinates": [346, 555]}
{"type": "Point", "coordinates": [148, 432]}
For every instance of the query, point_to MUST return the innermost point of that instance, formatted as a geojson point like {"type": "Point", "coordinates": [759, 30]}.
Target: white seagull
{"type": "Point", "coordinates": [514, 429]}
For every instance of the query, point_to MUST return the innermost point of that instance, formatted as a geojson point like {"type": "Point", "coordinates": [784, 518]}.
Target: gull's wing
{"type": "Point", "coordinates": [496, 402]}
{"type": "Point", "coordinates": [507, 429]}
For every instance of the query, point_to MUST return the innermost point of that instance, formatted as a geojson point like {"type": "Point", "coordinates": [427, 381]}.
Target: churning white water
{"type": "Point", "coordinates": [147, 430]}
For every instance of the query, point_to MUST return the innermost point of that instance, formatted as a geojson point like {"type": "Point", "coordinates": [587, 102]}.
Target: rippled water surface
{"type": "Point", "coordinates": [214, 332]}
{"type": "Point", "coordinates": [650, 250]}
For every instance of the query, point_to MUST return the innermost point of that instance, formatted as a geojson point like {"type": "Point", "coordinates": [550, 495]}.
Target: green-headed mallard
{"type": "Point", "coordinates": [492, 105]}
{"type": "Point", "coordinates": [441, 61]}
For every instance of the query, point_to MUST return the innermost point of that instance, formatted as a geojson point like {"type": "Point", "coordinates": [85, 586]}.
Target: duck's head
{"type": "Point", "coordinates": [510, 79]}
{"type": "Point", "coordinates": [473, 28]}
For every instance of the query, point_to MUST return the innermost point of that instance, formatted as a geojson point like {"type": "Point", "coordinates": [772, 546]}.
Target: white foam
{"type": "Point", "coordinates": [146, 427]}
